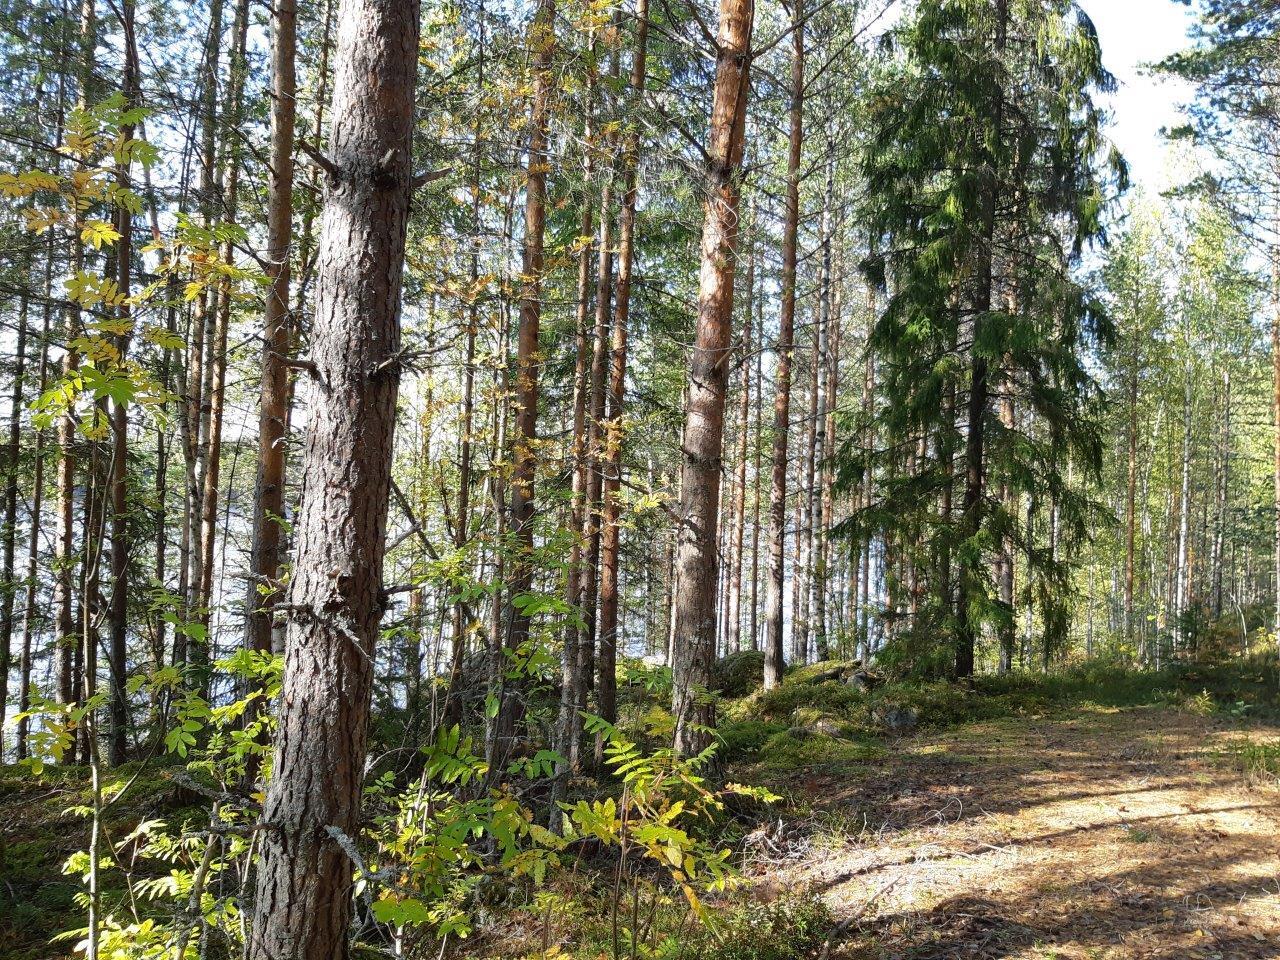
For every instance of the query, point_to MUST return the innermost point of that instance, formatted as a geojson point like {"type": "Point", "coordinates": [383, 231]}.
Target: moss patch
{"type": "Point", "coordinates": [795, 751]}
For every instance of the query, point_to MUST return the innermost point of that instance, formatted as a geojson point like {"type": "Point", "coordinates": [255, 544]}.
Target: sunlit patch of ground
{"type": "Point", "coordinates": [1111, 834]}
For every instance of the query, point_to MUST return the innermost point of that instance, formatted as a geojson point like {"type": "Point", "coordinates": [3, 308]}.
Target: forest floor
{"type": "Point", "coordinates": [1099, 833]}
{"type": "Point", "coordinates": [1092, 814]}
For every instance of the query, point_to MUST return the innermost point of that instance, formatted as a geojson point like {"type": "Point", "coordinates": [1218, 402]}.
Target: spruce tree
{"type": "Point", "coordinates": [986, 175]}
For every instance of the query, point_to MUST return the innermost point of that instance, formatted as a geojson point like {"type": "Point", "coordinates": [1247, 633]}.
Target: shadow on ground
{"type": "Point", "coordinates": [1110, 835]}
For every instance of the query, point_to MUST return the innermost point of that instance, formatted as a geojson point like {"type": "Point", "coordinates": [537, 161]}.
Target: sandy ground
{"type": "Point", "coordinates": [1109, 835]}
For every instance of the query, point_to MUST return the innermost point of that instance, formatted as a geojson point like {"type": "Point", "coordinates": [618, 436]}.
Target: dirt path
{"type": "Point", "coordinates": [1109, 835]}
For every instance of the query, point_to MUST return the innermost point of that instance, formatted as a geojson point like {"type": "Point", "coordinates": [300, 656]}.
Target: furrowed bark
{"type": "Point", "coordinates": [303, 902]}
{"type": "Point", "coordinates": [694, 627]}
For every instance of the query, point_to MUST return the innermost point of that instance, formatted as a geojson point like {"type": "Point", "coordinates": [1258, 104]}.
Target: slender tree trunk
{"type": "Point", "coordinates": [542, 40]}
{"type": "Point", "coordinates": [273, 389]}
{"type": "Point", "coordinates": [37, 504]}
{"type": "Point", "coordinates": [797, 526]}
{"type": "Point", "coordinates": [303, 902]}
{"type": "Point", "coordinates": [500, 452]}
{"type": "Point", "coordinates": [119, 605]}
{"type": "Point", "coordinates": [826, 480]}
{"type": "Point", "coordinates": [198, 341]}
{"type": "Point", "coordinates": [975, 439]}
{"type": "Point", "coordinates": [1180, 602]}
{"type": "Point", "coordinates": [803, 632]}
{"type": "Point", "coordinates": [606, 681]}
{"type": "Point", "coordinates": [1275, 413]}
{"type": "Point", "coordinates": [817, 586]}
{"type": "Point", "coordinates": [1223, 500]}
{"type": "Point", "coordinates": [697, 565]}
{"type": "Point", "coordinates": [159, 624]}
{"type": "Point", "coordinates": [68, 638]}
{"type": "Point", "coordinates": [596, 408]}
{"type": "Point", "coordinates": [92, 539]}
{"type": "Point", "coordinates": [773, 597]}
{"type": "Point", "coordinates": [462, 533]}
{"type": "Point", "coordinates": [216, 365]}
{"type": "Point", "coordinates": [9, 534]}
{"type": "Point", "coordinates": [868, 481]}
{"type": "Point", "coordinates": [756, 474]}
{"type": "Point", "coordinates": [1131, 485]}
{"type": "Point", "coordinates": [573, 679]}
{"type": "Point", "coordinates": [733, 638]}
{"type": "Point", "coordinates": [1004, 562]}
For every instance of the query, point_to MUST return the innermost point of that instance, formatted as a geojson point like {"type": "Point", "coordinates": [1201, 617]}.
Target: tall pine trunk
{"type": "Point", "coordinates": [757, 492]}
{"type": "Point", "coordinates": [462, 530]}
{"type": "Point", "coordinates": [1223, 501]}
{"type": "Point", "coordinates": [1131, 487]}
{"type": "Point", "coordinates": [195, 374]}
{"type": "Point", "coordinates": [1275, 415]}
{"type": "Point", "coordinates": [273, 389]}
{"type": "Point", "coordinates": [817, 615]}
{"type": "Point", "coordinates": [596, 409]}
{"type": "Point", "coordinates": [1004, 560]}
{"type": "Point", "coordinates": [1181, 598]}
{"type": "Point", "coordinates": [64, 550]}
{"type": "Point", "coordinates": [697, 565]}
{"type": "Point", "coordinates": [37, 506]}
{"type": "Point", "coordinates": [575, 663]}
{"type": "Point", "coordinates": [216, 365]}
{"type": "Point", "coordinates": [303, 901]}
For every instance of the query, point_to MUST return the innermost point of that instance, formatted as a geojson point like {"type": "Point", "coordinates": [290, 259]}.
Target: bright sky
{"type": "Point", "coordinates": [1133, 33]}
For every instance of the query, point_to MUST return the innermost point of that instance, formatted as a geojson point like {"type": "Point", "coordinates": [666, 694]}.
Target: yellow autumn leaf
{"type": "Point", "coordinates": [98, 232]}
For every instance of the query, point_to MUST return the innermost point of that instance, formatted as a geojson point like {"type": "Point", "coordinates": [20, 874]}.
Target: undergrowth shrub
{"type": "Point", "coordinates": [1259, 762]}
{"type": "Point", "coordinates": [789, 929]}
{"type": "Point", "coordinates": [916, 655]}
{"type": "Point", "coordinates": [742, 738]}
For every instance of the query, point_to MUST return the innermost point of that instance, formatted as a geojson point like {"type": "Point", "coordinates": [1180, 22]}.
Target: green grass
{"type": "Point", "coordinates": [1257, 761]}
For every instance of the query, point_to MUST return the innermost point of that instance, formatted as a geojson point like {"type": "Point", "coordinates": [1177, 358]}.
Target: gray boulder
{"type": "Point", "coordinates": [896, 718]}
